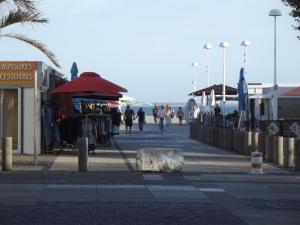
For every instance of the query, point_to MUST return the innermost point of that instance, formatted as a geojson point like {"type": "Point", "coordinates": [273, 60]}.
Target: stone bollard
{"type": "Point", "coordinates": [268, 146]}
{"type": "Point", "coordinates": [254, 147]}
{"type": "Point", "coordinates": [297, 154]}
{"type": "Point", "coordinates": [7, 154]}
{"type": "Point", "coordinates": [247, 142]}
{"type": "Point", "coordinates": [278, 151]}
{"type": "Point", "coordinates": [83, 157]}
{"type": "Point", "coordinates": [288, 152]}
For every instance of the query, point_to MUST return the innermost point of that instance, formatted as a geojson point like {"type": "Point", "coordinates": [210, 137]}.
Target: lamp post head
{"type": "Point", "coordinates": [194, 64]}
{"type": "Point", "coordinates": [224, 44]}
{"type": "Point", "coordinates": [207, 46]}
{"type": "Point", "coordinates": [246, 43]}
{"type": "Point", "coordinates": [275, 12]}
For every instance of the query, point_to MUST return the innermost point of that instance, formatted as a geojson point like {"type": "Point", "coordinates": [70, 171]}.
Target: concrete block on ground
{"type": "Point", "coordinates": [159, 159]}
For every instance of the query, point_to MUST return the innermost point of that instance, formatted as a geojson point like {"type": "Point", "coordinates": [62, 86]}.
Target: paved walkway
{"type": "Point", "coordinates": [214, 187]}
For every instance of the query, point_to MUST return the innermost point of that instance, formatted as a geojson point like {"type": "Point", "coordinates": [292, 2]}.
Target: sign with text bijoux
{"type": "Point", "coordinates": [17, 73]}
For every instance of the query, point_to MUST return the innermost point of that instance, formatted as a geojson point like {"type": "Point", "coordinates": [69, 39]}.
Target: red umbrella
{"type": "Point", "coordinates": [90, 83]}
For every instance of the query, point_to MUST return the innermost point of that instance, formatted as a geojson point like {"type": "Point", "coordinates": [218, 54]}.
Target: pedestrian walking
{"type": "Point", "coordinates": [168, 112]}
{"type": "Point", "coordinates": [141, 118]}
{"type": "Point", "coordinates": [180, 115]}
{"type": "Point", "coordinates": [128, 118]}
{"type": "Point", "coordinates": [161, 115]}
{"type": "Point", "coordinates": [154, 113]}
{"type": "Point", "coordinates": [116, 121]}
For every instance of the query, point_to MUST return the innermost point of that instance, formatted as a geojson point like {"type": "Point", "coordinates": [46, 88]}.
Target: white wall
{"type": "Point", "coordinates": [28, 136]}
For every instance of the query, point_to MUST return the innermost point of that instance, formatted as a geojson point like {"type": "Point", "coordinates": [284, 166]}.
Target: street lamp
{"type": "Point", "coordinates": [245, 44]}
{"type": "Point", "coordinates": [224, 45]}
{"type": "Point", "coordinates": [194, 69]}
{"type": "Point", "coordinates": [207, 47]}
{"type": "Point", "coordinates": [275, 13]}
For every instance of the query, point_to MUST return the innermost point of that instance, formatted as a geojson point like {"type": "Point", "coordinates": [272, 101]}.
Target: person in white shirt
{"type": "Point", "coordinates": [161, 115]}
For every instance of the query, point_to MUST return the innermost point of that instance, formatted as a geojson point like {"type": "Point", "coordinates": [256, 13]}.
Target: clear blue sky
{"type": "Point", "coordinates": [148, 46]}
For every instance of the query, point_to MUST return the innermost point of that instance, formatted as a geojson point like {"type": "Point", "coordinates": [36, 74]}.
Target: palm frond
{"type": "Point", "coordinates": [20, 16]}
{"type": "Point", "coordinates": [28, 5]}
{"type": "Point", "coordinates": [40, 46]}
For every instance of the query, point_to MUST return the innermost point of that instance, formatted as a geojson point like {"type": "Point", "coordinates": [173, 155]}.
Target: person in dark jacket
{"type": "Point", "coordinates": [116, 120]}
{"type": "Point", "coordinates": [141, 118]}
{"type": "Point", "coordinates": [128, 117]}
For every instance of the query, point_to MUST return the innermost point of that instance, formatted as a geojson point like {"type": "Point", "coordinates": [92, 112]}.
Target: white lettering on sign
{"type": "Point", "coordinates": [16, 67]}
{"type": "Point", "coordinates": [16, 77]}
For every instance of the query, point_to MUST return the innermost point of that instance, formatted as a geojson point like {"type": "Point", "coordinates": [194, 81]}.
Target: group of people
{"type": "Point", "coordinates": [163, 115]}
{"type": "Point", "coordinates": [129, 116]}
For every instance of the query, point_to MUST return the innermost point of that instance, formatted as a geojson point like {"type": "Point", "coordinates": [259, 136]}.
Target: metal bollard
{"type": "Point", "coordinates": [83, 156]}
{"type": "Point", "coordinates": [7, 154]}
{"type": "Point", "coordinates": [278, 151]}
{"type": "Point", "coordinates": [288, 152]}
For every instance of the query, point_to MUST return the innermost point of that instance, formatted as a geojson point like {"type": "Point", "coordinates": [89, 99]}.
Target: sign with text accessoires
{"type": "Point", "coordinates": [17, 73]}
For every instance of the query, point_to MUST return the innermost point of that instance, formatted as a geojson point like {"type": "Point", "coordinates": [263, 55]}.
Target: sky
{"type": "Point", "coordinates": [148, 46]}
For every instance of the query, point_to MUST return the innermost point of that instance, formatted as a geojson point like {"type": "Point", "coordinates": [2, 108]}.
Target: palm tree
{"type": "Point", "coordinates": [24, 12]}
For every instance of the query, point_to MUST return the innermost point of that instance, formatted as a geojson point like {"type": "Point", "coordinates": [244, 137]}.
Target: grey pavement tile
{"type": "Point", "coordinates": [20, 194]}
{"type": "Point", "coordinates": [69, 193]}
{"type": "Point", "coordinates": [153, 177]}
{"type": "Point", "coordinates": [124, 193]}
{"type": "Point", "coordinates": [212, 190]}
{"type": "Point", "coordinates": [177, 193]}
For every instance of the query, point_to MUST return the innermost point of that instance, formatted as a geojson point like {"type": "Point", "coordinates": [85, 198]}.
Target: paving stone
{"type": "Point", "coordinates": [153, 177]}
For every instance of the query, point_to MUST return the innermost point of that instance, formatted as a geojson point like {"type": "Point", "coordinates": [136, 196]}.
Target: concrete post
{"type": "Point", "coordinates": [254, 142]}
{"type": "Point", "coordinates": [7, 154]}
{"type": "Point", "coordinates": [262, 144]}
{"type": "Point", "coordinates": [83, 157]}
{"type": "Point", "coordinates": [268, 147]}
{"type": "Point", "coordinates": [240, 142]}
{"type": "Point", "coordinates": [288, 152]}
{"type": "Point", "coordinates": [297, 155]}
{"type": "Point", "coordinates": [278, 151]}
{"type": "Point", "coordinates": [247, 142]}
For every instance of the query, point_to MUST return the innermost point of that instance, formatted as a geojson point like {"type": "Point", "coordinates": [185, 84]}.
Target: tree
{"type": "Point", "coordinates": [24, 12]}
{"type": "Point", "coordinates": [295, 5]}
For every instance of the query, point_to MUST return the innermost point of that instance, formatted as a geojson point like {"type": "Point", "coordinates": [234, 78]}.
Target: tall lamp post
{"type": "Point", "coordinates": [224, 45]}
{"type": "Point", "coordinates": [245, 44]}
{"type": "Point", "coordinates": [194, 70]}
{"type": "Point", "coordinates": [275, 13]}
{"type": "Point", "coordinates": [207, 47]}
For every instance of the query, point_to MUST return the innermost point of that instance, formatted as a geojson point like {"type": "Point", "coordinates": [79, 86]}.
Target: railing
{"type": "Point", "coordinates": [282, 151]}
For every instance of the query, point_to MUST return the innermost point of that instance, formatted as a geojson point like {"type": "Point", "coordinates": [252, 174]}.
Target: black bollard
{"type": "Point", "coordinates": [83, 154]}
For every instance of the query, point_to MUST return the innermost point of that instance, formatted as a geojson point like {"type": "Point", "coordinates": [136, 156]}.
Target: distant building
{"type": "Point", "coordinates": [261, 101]}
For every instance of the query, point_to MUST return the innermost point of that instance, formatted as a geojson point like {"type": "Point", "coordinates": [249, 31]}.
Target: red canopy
{"type": "Point", "coordinates": [293, 92]}
{"type": "Point", "coordinates": [90, 83]}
